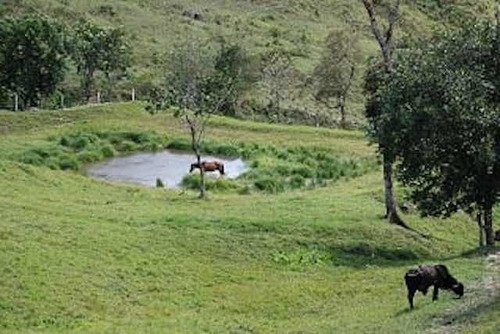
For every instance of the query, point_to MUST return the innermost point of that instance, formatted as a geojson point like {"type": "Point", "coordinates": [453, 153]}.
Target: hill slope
{"type": "Point", "coordinates": [298, 26]}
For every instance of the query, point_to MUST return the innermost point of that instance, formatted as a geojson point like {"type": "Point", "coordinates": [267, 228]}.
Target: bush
{"type": "Point", "coordinates": [126, 146]}
{"type": "Point", "coordinates": [269, 185]}
{"type": "Point", "coordinates": [303, 171]}
{"type": "Point", "coordinates": [108, 151]}
{"type": "Point", "coordinates": [159, 183]}
{"type": "Point", "coordinates": [193, 181]}
{"type": "Point", "coordinates": [90, 156]}
{"type": "Point", "coordinates": [68, 162]}
{"type": "Point", "coordinates": [179, 145]}
{"type": "Point", "coordinates": [297, 181]}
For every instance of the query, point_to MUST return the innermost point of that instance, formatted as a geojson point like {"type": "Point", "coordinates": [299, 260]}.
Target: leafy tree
{"type": "Point", "coordinates": [375, 80]}
{"type": "Point", "coordinates": [276, 80]}
{"type": "Point", "coordinates": [193, 89]}
{"type": "Point", "coordinates": [441, 110]}
{"type": "Point", "coordinates": [32, 57]}
{"type": "Point", "coordinates": [335, 73]}
{"type": "Point", "coordinates": [233, 67]}
{"type": "Point", "coordinates": [96, 49]}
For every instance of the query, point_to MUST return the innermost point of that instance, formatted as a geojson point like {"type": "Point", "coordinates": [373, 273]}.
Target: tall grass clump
{"type": "Point", "coordinates": [192, 182]}
{"type": "Point", "coordinates": [71, 151]}
{"type": "Point", "coordinates": [272, 169]}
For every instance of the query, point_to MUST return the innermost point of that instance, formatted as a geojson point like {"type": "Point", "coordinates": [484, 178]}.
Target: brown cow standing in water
{"type": "Point", "coordinates": [209, 166]}
{"type": "Point", "coordinates": [423, 277]}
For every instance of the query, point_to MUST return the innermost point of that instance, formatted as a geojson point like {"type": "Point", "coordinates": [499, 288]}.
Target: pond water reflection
{"type": "Point", "coordinates": [170, 166]}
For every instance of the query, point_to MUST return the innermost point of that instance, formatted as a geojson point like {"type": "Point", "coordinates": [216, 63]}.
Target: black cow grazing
{"type": "Point", "coordinates": [423, 277]}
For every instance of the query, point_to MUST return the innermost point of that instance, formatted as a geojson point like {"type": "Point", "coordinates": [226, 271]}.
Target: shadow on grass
{"type": "Point", "coordinates": [473, 253]}
{"type": "Point", "coordinates": [362, 255]}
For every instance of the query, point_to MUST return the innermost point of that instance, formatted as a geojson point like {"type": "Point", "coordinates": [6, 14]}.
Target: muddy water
{"type": "Point", "coordinates": [170, 166]}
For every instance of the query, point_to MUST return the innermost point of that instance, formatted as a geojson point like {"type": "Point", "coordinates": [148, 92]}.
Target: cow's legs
{"type": "Point", "coordinates": [411, 294]}
{"type": "Point", "coordinates": [435, 293]}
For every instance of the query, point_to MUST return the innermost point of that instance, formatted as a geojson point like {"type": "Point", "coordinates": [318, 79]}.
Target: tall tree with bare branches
{"type": "Point", "coordinates": [194, 89]}
{"type": "Point", "coordinates": [385, 40]}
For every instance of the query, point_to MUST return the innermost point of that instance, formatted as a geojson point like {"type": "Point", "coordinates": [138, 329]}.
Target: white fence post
{"type": "Point", "coordinates": [16, 102]}
{"type": "Point", "coordinates": [62, 100]}
{"type": "Point", "coordinates": [133, 94]}
{"type": "Point", "coordinates": [98, 96]}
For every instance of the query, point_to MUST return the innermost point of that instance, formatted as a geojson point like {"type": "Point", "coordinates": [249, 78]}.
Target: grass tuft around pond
{"type": "Point", "coordinates": [273, 169]}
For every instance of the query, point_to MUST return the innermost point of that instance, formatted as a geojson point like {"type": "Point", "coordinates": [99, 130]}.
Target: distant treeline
{"type": "Point", "coordinates": [38, 57]}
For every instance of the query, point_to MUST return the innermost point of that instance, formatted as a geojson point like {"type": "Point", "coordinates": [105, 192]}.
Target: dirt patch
{"type": "Point", "coordinates": [481, 296]}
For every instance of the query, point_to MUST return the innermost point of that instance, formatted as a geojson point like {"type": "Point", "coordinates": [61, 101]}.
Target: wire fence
{"type": "Point", "coordinates": [59, 100]}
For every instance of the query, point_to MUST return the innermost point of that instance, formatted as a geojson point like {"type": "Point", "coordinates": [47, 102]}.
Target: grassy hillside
{"type": "Point", "coordinates": [81, 255]}
{"type": "Point", "coordinates": [297, 26]}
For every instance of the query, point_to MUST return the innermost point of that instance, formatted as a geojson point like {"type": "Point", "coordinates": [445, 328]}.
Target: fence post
{"type": "Point", "coordinates": [98, 96]}
{"type": "Point", "coordinates": [62, 100]}
{"type": "Point", "coordinates": [133, 94]}
{"type": "Point", "coordinates": [16, 102]}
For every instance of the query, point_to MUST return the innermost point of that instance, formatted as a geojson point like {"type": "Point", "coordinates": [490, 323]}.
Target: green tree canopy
{"type": "Point", "coordinates": [441, 116]}
{"type": "Point", "coordinates": [98, 48]}
{"type": "Point", "coordinates": [234, 75]}
{"type": "Point", "coordinates": [32, 57]}
{"type": "Point", "coordinates": [335, 73]}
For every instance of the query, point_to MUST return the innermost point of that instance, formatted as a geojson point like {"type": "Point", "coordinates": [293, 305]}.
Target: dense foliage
{"type": "Point", "coordinates": [32, 57]}
{"type": "Point", "coordinates": [441, 116]}
{"type": "Point", "coordinates": [102, 49]}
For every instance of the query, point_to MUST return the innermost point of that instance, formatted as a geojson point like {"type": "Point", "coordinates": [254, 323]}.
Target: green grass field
{"type": "Point", "coordinates": [83, 256]}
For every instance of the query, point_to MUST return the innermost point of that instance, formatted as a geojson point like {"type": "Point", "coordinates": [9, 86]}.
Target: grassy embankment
{"type": "Point", "coordinates": [81, 255]}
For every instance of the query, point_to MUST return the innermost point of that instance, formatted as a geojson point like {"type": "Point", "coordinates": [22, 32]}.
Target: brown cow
{"type": "Point", "coordinates": [423, 277]}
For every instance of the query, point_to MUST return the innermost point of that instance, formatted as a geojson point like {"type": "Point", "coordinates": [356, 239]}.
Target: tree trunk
{"type": "Point", "coordinates": [202, 174]}
{"type": "Point", "coordinates": [109, 89]}
{"type": "Point", "coordinates": [488, 225]}
{"type": "Point", "coordinates": [480, 224]}
{"type": "Point", "coordinates": [390, 203]}
{"type": "Point", "coordinates": [195, 144]}
{"type": "Point", "coordinates": [87, 82]}
{"type": "Point", "coordinates": [343, 122]}
{"type": "Point", "coordinates": [386, 44]}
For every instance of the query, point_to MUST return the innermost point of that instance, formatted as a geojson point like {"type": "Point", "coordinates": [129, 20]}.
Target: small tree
{"type": "Point", "coordinates": [233, 69]}
{"type": "Point", "coordinates": [335, 73]}
{"type": "Point", "coordinates": [96, 49]}
{"type": "Point", "coordinates": [193, 88]}
{"type": "Point", "coordinates": [276, 77]}
{"type": "Point", "coordinates": [32, 57]}
{"type": "Point", "coordinates": [443, 106]}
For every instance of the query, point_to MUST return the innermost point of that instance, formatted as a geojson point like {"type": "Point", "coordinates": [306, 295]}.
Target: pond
{"type": "Point", "coordinates": [170, 166]}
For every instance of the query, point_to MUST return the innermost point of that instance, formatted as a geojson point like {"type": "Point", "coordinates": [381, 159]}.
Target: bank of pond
{"type": "Point", "coordinates": [151, 159]}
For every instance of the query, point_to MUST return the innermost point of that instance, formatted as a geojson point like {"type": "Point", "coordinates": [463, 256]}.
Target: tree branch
{"type": "Point", "coordinates": [385, 41]}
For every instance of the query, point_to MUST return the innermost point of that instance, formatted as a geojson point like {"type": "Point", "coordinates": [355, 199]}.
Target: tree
{"type": "Point", "coordinates": [192, 87]}
{"type": "Point", "coordinates": [276, 76]}
{"type": "Point", "coordinates": [335, 73]}
{"type": "Point", "coordinates": [443, 105]}
{"type": "Point", "coordinates": [385, 41]}
{"type": "Point", "coordinates": [32, 57]}
{"type": "Point", "coordinates": [102, 49]}
{"type": "Point", "coordinates": [234, 72]}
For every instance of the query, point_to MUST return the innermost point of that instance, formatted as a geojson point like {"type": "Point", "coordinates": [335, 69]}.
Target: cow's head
{"type": "Point", "coordinates": [458, 289]}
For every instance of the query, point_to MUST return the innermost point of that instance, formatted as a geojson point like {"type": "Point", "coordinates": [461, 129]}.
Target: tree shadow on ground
{"type": "Point", "coordinates": [473, 253]}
